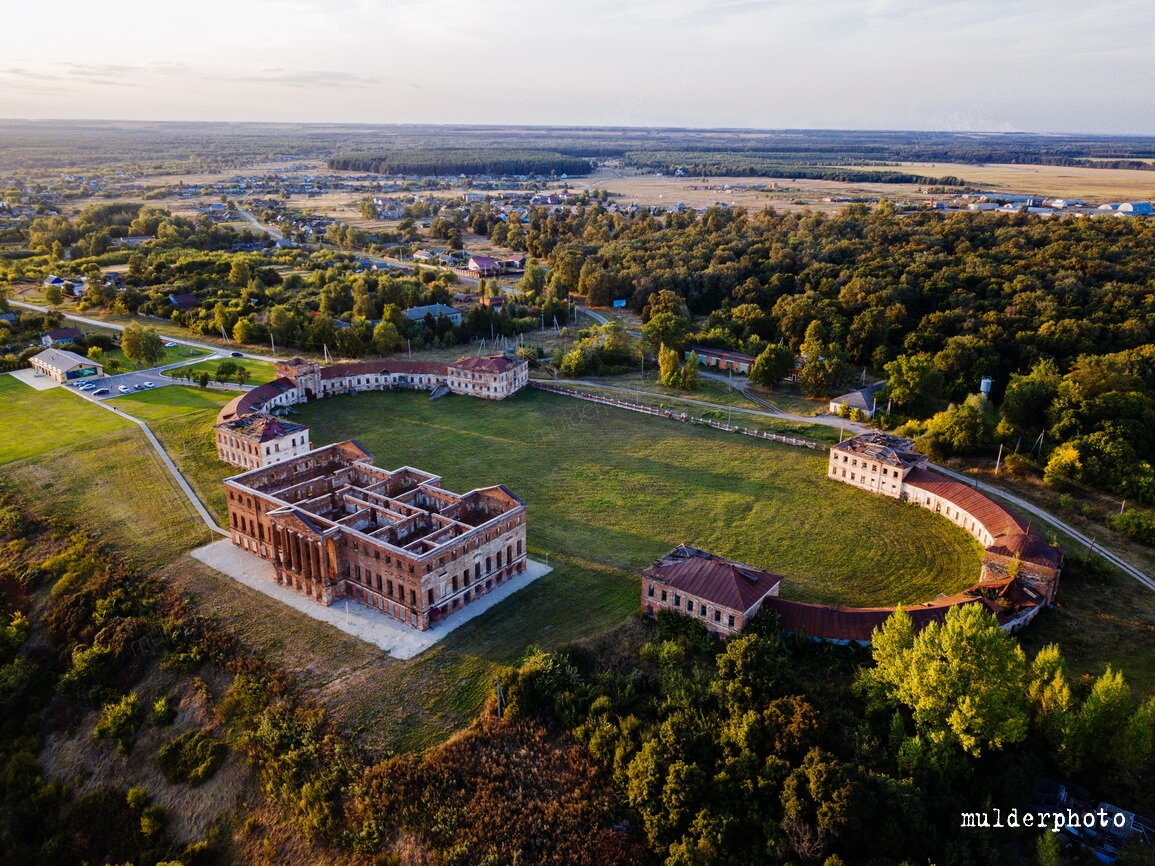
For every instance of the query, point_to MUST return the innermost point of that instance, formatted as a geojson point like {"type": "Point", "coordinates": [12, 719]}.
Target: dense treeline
{"type": "Point", "coordinates": [773, 750]}
{"type": "Point", "coordinates": [933, 302]}
{"type": "Point", "coordinates": [730, 164]}
{"type": "Point", "coordinates": [436, 162]}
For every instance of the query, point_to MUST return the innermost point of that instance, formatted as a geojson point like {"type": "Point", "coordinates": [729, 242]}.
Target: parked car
{"type": "Point", "coordinates": [150, 384]}
{"type": "Point", "coordinates": [237, 354]}
{"type": "Point", "coordinates": [124, 389]}
{"type": "Point", "coordinates": [170, 345]}
{"type": "Point", "coordinates": [138, 386]}
{"type": "Point", "coordinates": [100, 392]}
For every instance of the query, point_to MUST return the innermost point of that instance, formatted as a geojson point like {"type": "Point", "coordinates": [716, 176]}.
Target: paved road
{"type": "Point", "coordinates": [100, 323]}
{"type": "Point", "coordinates": [273, 233]}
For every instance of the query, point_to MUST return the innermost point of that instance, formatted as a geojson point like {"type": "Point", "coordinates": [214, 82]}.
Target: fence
{"type": "Point", "coordinates": [676, 416]}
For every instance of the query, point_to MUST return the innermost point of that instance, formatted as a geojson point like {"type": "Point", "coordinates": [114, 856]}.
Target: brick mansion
{"type": "Point", "coordinates": [1019, 574]}
{"type": "Point", "coordinates": [249, 436]}
{"type": "Point", "coordinates": [335, 526]}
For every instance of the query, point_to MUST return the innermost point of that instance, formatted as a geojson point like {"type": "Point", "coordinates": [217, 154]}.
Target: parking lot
{"type": "Point", "coordinates": [132, 382]}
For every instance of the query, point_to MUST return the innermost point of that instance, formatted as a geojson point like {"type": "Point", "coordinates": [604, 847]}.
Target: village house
{"type": "Point", "coordinates": [862, 401]}
{"type": "Point", "coordinates": [65, 366]}
{"type": "Point", "coordinates": [721, 359]}
{"type": "Point", "coordinates": [484, 266]}
{"type": "Point", "coordinates": [720, 592]}
{"type": "Point", "coordinates": [334, 526]}
{"type": "Point", "coordinates": [60, 336]}
{"type": "Point", "coordinates": [437, 311]}
{"type": "Point", "coordinates": [491, 378]}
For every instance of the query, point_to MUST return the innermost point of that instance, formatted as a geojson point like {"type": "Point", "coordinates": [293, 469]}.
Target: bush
{"type": "Point", "coordinates": [1134, 525]}
{"type": "Point", "coordinates": [1018, 466]}
{"type": "Point", "coordinates": [191, 757]}
{"type": "Point", "coordinates": [119, 721]}
{"type": "Point", "coordinates": [163, 711]}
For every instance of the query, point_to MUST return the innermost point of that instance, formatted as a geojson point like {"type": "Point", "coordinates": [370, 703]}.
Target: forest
{"type": "Point", "coordinates": [779, 165]}
{"type": "Point", "coordinates": [438, 162]}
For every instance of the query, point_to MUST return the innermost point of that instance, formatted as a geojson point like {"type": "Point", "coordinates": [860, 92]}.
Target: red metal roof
{"type": "Point", "coordinates": [722, 581]}
{"type": "Point", "coordinates": [994, 518]}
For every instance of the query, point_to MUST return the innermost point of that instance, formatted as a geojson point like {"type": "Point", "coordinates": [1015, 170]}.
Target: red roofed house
{"type": "Point", "coordinates": [484, 266]}
{"type": "Point", "coordinates": [61, 336]}
{"type": "Point", "coordinates": [722, 593]}
{"type": "Point", "coordinates": [888, 464]}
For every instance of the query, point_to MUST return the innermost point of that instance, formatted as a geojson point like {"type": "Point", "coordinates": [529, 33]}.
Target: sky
{"type": "Point", "coordinates": [991, 65]}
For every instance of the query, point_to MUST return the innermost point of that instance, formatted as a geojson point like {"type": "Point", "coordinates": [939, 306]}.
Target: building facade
{"type": "Point", "coordinates": [490, 378]}
{"type": "Point", "coordinates": [253, 441]}
{"type": "Point", "coordinates": [888, 465]}
{"type": "Point", "coordinates": [65, 366]}
{"type": "Point", "coordinates": [720, 592]}
{"type": "Point", "coordinates": [302, 381]}
{"type": "Point", "coordinates": [334, 526]}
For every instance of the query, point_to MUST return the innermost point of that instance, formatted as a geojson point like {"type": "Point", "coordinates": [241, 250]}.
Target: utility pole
{"type": "Point", "coordinates": [999, 459]}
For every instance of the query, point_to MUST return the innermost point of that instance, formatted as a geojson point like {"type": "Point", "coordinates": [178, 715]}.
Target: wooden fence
{"type": "Point", "coordinates": [676, 416]}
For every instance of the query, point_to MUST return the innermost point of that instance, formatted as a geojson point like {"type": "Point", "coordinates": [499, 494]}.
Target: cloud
{"type": "Point", "coordinates": [310, 78]}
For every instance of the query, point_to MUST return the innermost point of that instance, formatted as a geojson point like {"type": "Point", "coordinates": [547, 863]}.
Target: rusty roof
{"type": "Point", "coordinates": [495, 364]}
{"type": "Point", "coordinates": [261, 427]}
{"type": "Point", "coordinates": [1004, 598]}
{"type": "Point", "coordinates": [713, 578]}
{"type": "Point", "coordinates": [994, 518]}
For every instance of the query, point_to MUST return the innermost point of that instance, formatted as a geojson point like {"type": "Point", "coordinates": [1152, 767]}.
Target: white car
{"type": "Point", "coordinates": [170, 345]}
{"type": "Point", "coordinates": [124, 389]}
{"type": "Point", "coordinates": [150, 384]}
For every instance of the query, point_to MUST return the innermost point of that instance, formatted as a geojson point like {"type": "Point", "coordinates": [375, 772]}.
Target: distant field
{"type": "Point", "coordinates": [34, 422]}
{"type": "Point", "coordinates": [260, 371]}
{"type": "Point", "coordinates": [1093, 184]}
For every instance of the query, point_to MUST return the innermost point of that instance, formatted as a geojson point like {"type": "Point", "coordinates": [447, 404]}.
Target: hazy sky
{"type": "Point", "coordinates": [1038, 65]}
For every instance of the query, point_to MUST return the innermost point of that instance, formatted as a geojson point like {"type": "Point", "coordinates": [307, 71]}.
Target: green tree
{"type": "Point", "coordinates": [669, 369]}
{"type": "Point", "coordinates": [94, 353]}
{"type": "Point", "coordinates": [53, 295]}
{"type": "Point", "coordinates": [666, 329]}
{"type": "Point", "coordinates": [912, 381]}
{"type": "Point", "coordinates": [963, 680]}
{"type": "Point", "coordinates": [142, 345]}
{"type": "Point", "coordinates": [246, 330]}
{"type": "Point", "coordinates": [773, 365]}
{"type": "Point", "coordinates": [1029, 396]}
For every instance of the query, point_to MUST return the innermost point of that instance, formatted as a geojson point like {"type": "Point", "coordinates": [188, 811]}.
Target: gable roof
{"type": "Point", "coordinates": [58, 359]}
{"type": "Point", "coordinates": [261, 427]}
{"type": "Point", "coordinates": [63, 335]}
{"type": "Point", "coordinates": [494, 364]}
{"type": "Point", "coordinates": [724, 582]}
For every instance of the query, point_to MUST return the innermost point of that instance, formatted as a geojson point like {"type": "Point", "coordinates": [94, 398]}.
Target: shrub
{"type": "Point", "coordinates": [191, 757]}
{"type": "Point", "coordinates": [119, 721]}
{"type": "Point", "coordinates": [163, 711]}
{"type": "Point", "coordinates": [1134, 525]}
{"type": "Point", "coordinates": [1018, 466]}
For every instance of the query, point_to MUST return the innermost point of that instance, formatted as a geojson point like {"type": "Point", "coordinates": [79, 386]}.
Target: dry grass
{"type": "Point", "coordinates": [1092, 184]}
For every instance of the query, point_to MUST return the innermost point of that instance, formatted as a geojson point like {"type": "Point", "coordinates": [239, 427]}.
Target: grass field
{"type": "Point", "coordinates": [33, 422]}
{"type": "Point", "coordinates": [171, 356]}
{"type": "Point", "coordinates": [182, 419]}
{"type": "Point", "coordinates": [1092, 184]}
{"type": "Point", "coordinates": [259, 371]}
{"type": "Point", "coordinates": [611, 489]}
{"type": "Point", "coordinates": [96, 469]}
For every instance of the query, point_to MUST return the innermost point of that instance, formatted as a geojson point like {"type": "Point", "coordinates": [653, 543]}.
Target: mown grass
{"type": "Point", "coordinates": [182, 418]}
{"type": "Point", "coordinates": [34, 422]}
{"type": "Point", "coordinates": [171, 356]}
{"type": "Point", "coordinates": [115, 487]}
{"type": "Point", "coordinates": [259, 371]}
{"type": "Point", "coordinates": [615, 489]}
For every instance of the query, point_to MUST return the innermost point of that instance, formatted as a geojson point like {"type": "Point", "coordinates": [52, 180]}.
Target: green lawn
{"type": "Point", "coordinates": [33, 422]}
{"type": "Point", "coordinates": [609, 490]}
{"type": "Point", "coordinates": [182, 419]}
{"type": "Point", "coordinates": [171, 356]}
{"type": "Point", "coordinates": [259, 371]}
